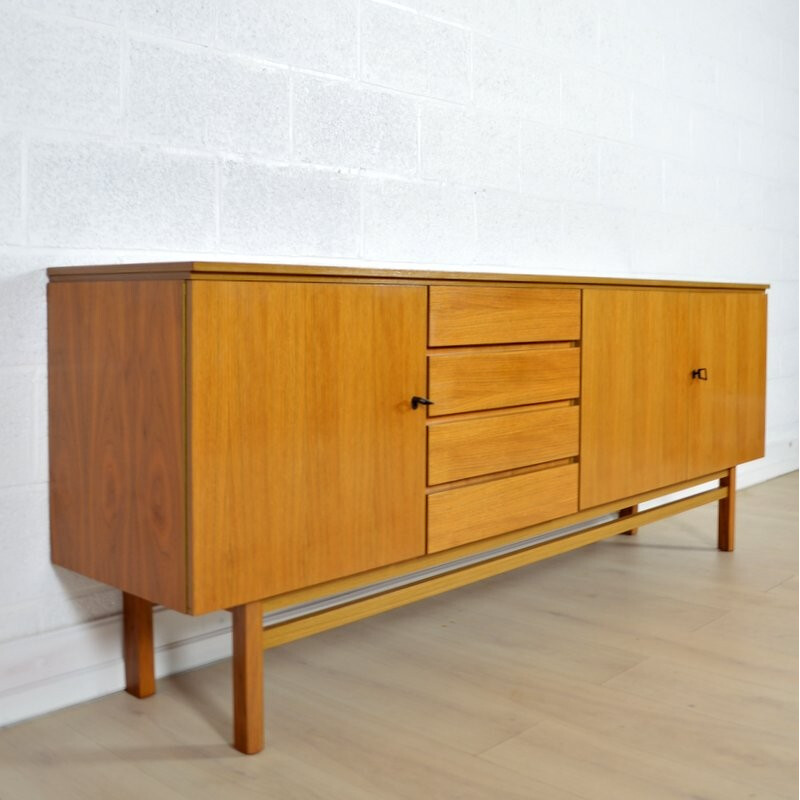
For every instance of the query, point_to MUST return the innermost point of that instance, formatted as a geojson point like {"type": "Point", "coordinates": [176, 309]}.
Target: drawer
{"type": "Point", "coordinates": [461, 315]}
{"type": "Point", "coordinates": [476, 381]}
{"type": "Point", "coordinates": [469, 513]}
{"type": "Point", "coordinates": [466, 448]}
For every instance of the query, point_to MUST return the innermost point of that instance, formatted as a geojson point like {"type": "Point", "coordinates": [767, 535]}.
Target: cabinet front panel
{"type": "Point", "coordinates": [634, 393]}
{"type": "Point", "coordinates": [726, 409]}
{"type": "Point", "coordinates": [465, 315]}
{"type": "Point", "coordinates": [468, 513]}
{"type": "Point", "coordinates": [466, 448]}
{"type": "Point", "coordinates": [307, 461]}
{"type": "Point", "coordinates": [477, 381]}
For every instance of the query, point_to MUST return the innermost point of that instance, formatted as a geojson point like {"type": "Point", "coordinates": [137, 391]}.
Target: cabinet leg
{"type": "Point", "coordinates": [248, 678]}
{"type": "Point", "coordinates": [726, 522]}
{"type": "Point", "coordinates": [627, 512]}
{"type": "Point", "coordinates": [137, 617]}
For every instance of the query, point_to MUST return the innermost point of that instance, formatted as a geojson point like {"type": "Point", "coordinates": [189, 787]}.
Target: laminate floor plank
{"type": "Point", "coordinates": [392, 762]}
{"type": "Point", "coordinates": [46, 758]}
{"type": "Point", "coordinates": [753, 705]}
{"type": "Point", "coordinates": [467, 631]}
{"type": "Point", "coordinates": [763, 760]}
{"type": "Point", "coordinates": [595, 644]}
{"type": "Point", "coordinates": [661, 725]}
{"type": "Point", "coordinates": [178, 742]}
{"type": "Point", "coordinates": [640, 667]}
{"type": "Point", "coordinates": [600, 768]}
{"type": "Point", "coordinates": [369, 676]}
{"type": "Point", "coordinates": [784, 594]}
{"type": "Point", "coordinates": [703, 576]}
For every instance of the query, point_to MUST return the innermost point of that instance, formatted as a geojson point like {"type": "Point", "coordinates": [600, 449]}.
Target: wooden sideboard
{"type": "Point", "coordinates": [329, 443]}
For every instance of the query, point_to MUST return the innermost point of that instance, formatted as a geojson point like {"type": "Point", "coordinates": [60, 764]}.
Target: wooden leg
{"type": "Point", "coordinates": [627, 512]}
{"type": "Point", "coordinates": [248, 678]}
{"type": "Point", "coordinates": [140, 676]}
{"type": "Point", "coordinates": [726, 527]}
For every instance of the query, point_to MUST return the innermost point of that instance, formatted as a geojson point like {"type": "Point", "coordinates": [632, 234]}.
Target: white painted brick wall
{"type": "Point", "coordinates": [630, 177]}
{"type": "Point", "coordinates": [511, 80]}
{"type": "Point", "coordinates": [689, 188]}
{"type": "Point", "coordinates": [413, 53]}
{"type": "Point", "coordinates": [662, 122]}
{"type": "Point", "coordinates": [596, 103]}
{"type": "Point", "coordinates": [558, 163]}
{"type": "Point", "coordinates": [715, 137]}
{"type": "Point", "coordinates": [227, 103]}
{"type": "Point", "coordinates": [309, 34]}
{"type": "Point", "coordinates": [476, 148]}
{"type": "Point", "coordinates": [109, 11]}
{"type": "Point", "coordinates": [623, 137]}
{"type": "Point", "coordinates": [418, 221]}
{"type": "Point", "coordinates": [181, 20]}
{"type": "Point", "coordinates": [561, 29]}
{"type": "Point", "coordinates": [294, 210]}
{"type": "Point", "coordinates": [628, 46]}
{"type": "Point", "coordinates": [10, 187]}
{"type": "Point", "coordinates": [59, 73]}
{"type": "Point", "coordinates": [342, 124]}
{"type": "Point", "coordinates": [528, 226]}
{"type": "Point", "coordinates": [96, 194]}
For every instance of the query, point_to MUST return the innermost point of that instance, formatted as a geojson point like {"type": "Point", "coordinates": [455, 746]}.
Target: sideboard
{"type": "Point", "coordinates": [319, 444]}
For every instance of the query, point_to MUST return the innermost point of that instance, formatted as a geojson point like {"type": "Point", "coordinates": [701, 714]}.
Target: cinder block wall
{"type": "Point", "coordinates": [622, 137]}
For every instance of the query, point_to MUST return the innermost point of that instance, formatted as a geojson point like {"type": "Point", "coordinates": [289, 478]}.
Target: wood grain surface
{"type": "Point", "coordinates": [645, 421]}
{"type": "Point", "coordinates": [627, 512]}
{"type": "Point", "coordinates": [470, 549]}
{"type": "Point", "coordinates": [463, 315]}
{"type": "Point", "coordinates": [634, 396]}
{"type": "Point", "coordinates": [230, 270]}
{"type": "Point", "coordinates": [466, 514]}
{"type": "Point", "coordinates": [248, 679]}
{"type": "Point", "coordinates": [477, 381]}
{"type": "Point", "coordinates": [480, 445]}
{"type": "Point", "coordinates": [116, 435]}
{"type": "Point", "coordinates": [726, 519]}
{"type": "Point", "coordinates": [361, 608]}
{"type": "Point", "coordinates": [137, 631]}
{"type": "Point", "coordinates": [751, 387]}
{"type": "Point", "coordinates": [727, 411]}
{"type": "Point", "coordinates": [307, 460]}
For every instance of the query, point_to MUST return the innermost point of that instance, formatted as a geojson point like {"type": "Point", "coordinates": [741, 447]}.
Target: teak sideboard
{"type": "Point", "coordinates": [329, 443]}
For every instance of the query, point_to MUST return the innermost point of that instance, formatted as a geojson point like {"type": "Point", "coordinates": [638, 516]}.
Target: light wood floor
{"type": "Point", "coordinates": [642, 667]}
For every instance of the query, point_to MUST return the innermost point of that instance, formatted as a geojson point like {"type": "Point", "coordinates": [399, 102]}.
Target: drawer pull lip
{"type": "Point", "coordinates": [417, 401]}
{"type": "Point", "coordinates": [701, 373]}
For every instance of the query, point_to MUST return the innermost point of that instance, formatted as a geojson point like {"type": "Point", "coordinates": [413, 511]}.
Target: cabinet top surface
{"type": "Point", "coordinates": [206, 269]}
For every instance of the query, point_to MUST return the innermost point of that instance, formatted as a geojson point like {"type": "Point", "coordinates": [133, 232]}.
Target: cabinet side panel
{"type": "Point", "coordinates": [752, 376]}
{"type": "Point", "coordinates": [307, 460]}
{"type": "Point", "coordinates": [633, 392]}
{"type": "Point", "coordinates": [117, 455]}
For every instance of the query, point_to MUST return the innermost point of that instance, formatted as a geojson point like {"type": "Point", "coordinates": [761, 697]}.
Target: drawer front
{"type": "Point", "coordinates": [469, 513]}
{"type": "Point", "coordinates": [460, 382]}
{"type": "Point", "coordinates": [470, 447]}
{"type": "Point", "coordinates": [461, 315]}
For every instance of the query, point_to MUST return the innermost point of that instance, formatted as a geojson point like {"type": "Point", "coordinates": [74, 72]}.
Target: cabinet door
{"type": "Point", "coordinates": [726, 409]}
{"type": "Point", "coordinates": [634, 392]}
{"type": "Point", "coordinates": [307, 461]}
